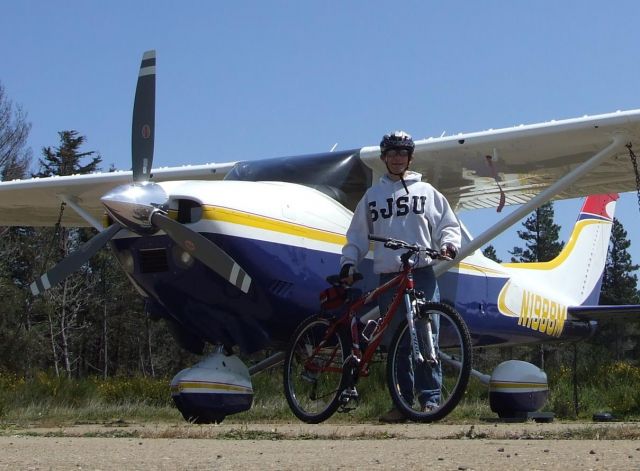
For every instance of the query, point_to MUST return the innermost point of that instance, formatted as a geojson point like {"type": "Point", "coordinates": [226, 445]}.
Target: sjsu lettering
{"type": "Point", "coordinates": [402, 205]}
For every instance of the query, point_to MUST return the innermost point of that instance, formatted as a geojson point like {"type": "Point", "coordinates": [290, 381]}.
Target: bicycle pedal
{"type": "Point", "coordinates": [348, 400]}
{"type": "Point", "coordinates": [344, 409]}
{"type": "Point", "coordinates": [348, 395]}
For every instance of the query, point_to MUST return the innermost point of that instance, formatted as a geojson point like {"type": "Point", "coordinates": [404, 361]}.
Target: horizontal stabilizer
{"type": "Point", "coordinates": [606, 313]}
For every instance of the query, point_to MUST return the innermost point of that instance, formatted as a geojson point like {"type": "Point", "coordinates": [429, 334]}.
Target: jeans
{"type": "Point", "coordinates": [424, 379]}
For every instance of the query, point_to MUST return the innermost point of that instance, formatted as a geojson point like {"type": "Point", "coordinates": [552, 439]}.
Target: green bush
{"type": "Point", "coordinates": [148, 391]}
{"type": "Point", "coordinates": [614, 388]}
{"type": "Point", "coordinates": [45, 389]}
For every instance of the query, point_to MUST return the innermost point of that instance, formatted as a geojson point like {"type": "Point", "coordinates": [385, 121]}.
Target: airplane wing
{"type": "Point", "coordinates": [36, 201]}
{"type": "Point", "coordinates": [605, 313]}
{"type": "Point", "coordinates": [526, 160]}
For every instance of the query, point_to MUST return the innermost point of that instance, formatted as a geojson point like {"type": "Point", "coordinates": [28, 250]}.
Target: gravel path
{"type": "Point", "coordinates": [298, 446]}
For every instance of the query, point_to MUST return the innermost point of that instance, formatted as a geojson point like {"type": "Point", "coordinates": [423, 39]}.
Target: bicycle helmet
{"type": "Point", "coordinates": [397, 140]}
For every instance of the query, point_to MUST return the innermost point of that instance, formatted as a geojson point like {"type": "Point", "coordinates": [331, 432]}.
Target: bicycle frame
{"type": "Point", "coordinates": [404, 286]}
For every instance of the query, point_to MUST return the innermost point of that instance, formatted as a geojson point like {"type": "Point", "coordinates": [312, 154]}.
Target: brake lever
{"type": "Point", "coordinates": [335, 280]}
{"type": "Point", "coordinates": [435, 255]}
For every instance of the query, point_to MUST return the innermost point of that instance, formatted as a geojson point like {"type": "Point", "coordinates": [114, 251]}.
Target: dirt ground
{"type": "Point", "coordinates": [527, 446]}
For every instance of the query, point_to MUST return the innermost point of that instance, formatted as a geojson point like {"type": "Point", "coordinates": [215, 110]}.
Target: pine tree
{"type": "Point", "coordinates": [619, 283]}
{"type": "Point", "coordinates": [541, 236]}
{"type": "Point", "coordinates": [490, 252]}
{"type": "Point", "coordinates": [65, 159]}
{"type": "Point", "coordinates": [619, 286]}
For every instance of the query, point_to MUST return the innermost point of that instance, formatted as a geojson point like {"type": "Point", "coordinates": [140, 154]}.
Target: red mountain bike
{"type": "Point", "coordinates": [328, 354]}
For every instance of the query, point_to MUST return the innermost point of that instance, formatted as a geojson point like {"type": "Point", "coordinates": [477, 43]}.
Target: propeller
{"type": "Point", "coordinates": [141, 206]}
{"type": "Point", "coordinates": [73, 262]}
{"type": "Point", "coordinates": [204, 250]}
{"type": "Point", "coordinates": [143, 123]}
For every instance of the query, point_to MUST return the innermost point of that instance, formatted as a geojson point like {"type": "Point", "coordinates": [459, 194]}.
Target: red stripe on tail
{"type": "Point", "coordinates": [597, 205]}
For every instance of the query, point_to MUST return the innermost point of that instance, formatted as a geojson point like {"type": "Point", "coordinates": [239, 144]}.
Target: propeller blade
{"type": "Point", "coordinates": [204, 250]}
{"type": "Point", "coordinates": [144, 111]}
{"type": "Point", "coordinates": [74, 261]}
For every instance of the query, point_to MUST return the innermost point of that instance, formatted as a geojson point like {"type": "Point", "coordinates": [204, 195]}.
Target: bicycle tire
{"type": "Point", "coordinates": [454, 358]}
{"type": "Point", "coordinates": [312, 386]}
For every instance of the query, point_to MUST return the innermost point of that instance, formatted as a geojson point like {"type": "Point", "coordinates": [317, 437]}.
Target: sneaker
{"type": "Point", "coordinates": [393, 416]}
{"type": "Point", "coordinates": [428, 408]}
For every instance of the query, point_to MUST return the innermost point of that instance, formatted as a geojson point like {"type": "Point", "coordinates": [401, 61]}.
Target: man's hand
{"type": "Point", "coordinates": [449, 250]}
{"type": "Point", "coordinates": [346, 274]}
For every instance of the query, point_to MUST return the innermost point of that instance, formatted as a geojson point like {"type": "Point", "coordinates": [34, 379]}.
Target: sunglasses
{"type": "Point", "coordinates": [397, 152]}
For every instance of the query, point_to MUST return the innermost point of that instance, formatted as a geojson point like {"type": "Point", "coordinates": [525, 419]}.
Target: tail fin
{"type": "Point", "coordinates": [577, 270]}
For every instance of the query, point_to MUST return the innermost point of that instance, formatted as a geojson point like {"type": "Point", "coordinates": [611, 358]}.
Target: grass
{"type": "Point", "coordinates": [46, 400]}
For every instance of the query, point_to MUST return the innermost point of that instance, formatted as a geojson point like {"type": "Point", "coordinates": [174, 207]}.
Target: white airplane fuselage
{"type": "Point", "coordinates": [288, 237]}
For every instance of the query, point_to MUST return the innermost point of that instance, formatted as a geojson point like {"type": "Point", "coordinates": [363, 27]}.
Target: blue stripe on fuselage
{"type": "Point", "coordinates": [286, 283]}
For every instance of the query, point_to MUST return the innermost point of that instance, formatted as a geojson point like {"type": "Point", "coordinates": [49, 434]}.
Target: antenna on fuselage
{"type": "Point", "coordinates": [334, 147]}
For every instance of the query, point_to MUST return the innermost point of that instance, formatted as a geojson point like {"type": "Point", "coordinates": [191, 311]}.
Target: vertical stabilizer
{"type": "Point", "coordinates": [576, 273]}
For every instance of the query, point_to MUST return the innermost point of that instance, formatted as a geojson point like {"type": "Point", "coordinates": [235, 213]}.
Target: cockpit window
{"type": "Point", "coordinates": [340, 175]}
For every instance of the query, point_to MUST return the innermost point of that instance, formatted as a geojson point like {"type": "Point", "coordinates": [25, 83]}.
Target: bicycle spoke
{"type": "Point", "coordinates": [313, 371]}
{"type": "Point", "coordinates": [427, 392]}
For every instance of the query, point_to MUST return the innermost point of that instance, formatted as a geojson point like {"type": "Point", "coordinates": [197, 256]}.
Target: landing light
{"type": "Point", "coordinates": [182, 258]}
{"type": "Point", "coordinates": [186, 258]}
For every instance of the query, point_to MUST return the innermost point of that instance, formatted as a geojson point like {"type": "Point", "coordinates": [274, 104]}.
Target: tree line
{"type": "Point", "coordinates": [94, 323]}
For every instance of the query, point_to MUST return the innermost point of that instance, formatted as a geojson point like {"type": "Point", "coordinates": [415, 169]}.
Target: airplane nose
{"type": "Point", "coordinates": [133, 205]}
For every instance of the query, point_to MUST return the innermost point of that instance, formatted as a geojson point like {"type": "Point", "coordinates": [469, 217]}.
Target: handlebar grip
{"type": "Point", "coordinates": [378, 238]}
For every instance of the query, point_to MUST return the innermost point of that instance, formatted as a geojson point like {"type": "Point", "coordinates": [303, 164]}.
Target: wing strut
{"type": "Point", "coordinates": [72, 202]}
{"type": "Point", "coordinates": [619, 141]}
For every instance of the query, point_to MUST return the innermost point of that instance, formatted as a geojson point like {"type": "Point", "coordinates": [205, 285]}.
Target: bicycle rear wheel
{"type": "Point", "coordinates": [424, 392]}
{"type": "Point", "coordinates": [313, 374]}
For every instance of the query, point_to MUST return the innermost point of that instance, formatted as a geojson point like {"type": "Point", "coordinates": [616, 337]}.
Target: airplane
{"type": "Point", "coordinates": [233, 255]}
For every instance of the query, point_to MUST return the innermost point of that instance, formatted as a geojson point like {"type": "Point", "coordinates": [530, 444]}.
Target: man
{"type": "Point", "coordinates": [404, 207]}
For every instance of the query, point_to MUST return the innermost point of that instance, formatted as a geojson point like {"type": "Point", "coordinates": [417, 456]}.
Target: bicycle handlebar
{"type": "Point", "coordinates": [396, 244]}
{"type": "Point", "coordinates": [393, 244]}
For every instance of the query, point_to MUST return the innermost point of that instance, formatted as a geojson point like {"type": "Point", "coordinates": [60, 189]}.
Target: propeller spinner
{"type": "Point", "coordinates": [141, 206]}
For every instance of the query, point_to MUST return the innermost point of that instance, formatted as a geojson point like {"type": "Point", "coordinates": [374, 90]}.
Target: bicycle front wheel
{"type": "Point", "coordinates": [426, 392]}
{"type": "Point", "coordinates": [313, 372]}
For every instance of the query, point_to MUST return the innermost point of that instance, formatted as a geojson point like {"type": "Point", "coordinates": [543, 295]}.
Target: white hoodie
{"type": "Point", "coordinates": [421, 217]}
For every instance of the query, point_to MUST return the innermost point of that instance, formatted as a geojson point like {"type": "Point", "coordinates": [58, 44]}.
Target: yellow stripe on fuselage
{"type": "Point", "coordinates": [243, 218]}
{"type": "Point", "coordinates": [217, 213]}
{"type": "Point", "coordinates": [483, 270]}
{"type": "Point", "coordinates": [566, 251]}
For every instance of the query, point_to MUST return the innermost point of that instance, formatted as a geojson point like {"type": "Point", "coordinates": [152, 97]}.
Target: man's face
{"type": "Point", "coordinates": [397, 160]}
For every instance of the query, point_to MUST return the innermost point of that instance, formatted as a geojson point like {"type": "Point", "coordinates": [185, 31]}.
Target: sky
{"type": "Point", "coordinates": [246, 80]}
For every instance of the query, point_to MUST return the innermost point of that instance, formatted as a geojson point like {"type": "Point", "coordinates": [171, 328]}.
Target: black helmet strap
{"type": "Point", "coordinates": [404, 184]}
{"type": "Point", "coordinates": [401, 175]}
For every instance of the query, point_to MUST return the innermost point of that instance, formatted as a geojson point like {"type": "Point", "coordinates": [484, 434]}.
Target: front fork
{"type": "Point", "coordinates": [411, 309]}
